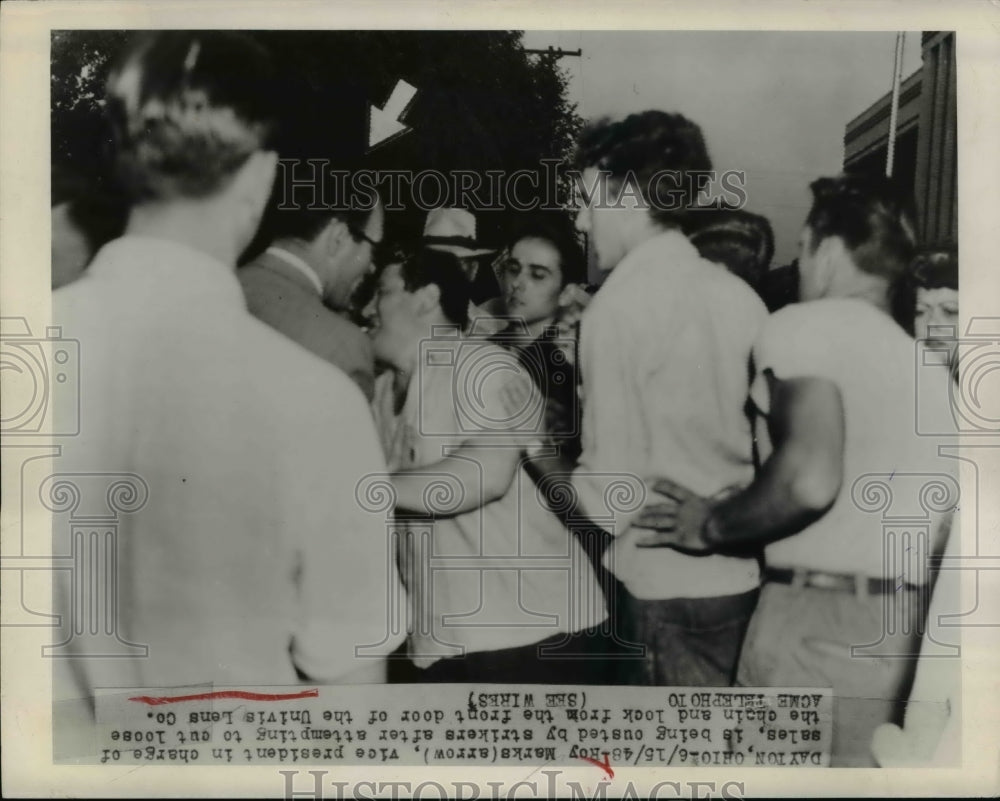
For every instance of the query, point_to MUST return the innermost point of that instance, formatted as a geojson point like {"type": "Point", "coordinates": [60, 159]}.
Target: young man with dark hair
{"type": "Point", "coordinates": [543, 259]}
{"type": "Point", "coordinates": [843, 601]}
{"type": "Point", "coordinates": [302, 285]}
{"type": "Point", "coordinates": [664, 352]}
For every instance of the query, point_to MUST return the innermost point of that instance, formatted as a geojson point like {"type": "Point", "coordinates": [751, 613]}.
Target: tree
{"type": "Point", "coordinates": [80, 64]}
{"type": "Point", "coordinates": [482, 102]}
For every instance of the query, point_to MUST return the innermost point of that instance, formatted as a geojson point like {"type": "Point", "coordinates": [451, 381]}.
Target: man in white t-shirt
{"type": "Point", "coordinates": [844, 597]}
{"type": "Point", "coordinates": [498, 586]}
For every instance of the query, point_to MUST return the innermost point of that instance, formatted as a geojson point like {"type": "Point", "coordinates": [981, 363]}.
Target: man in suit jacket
{"type": "Point", "coordinates": [302, 284]}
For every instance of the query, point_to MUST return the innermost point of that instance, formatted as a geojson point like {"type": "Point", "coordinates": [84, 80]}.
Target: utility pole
{"type": "Point", "coordinates": [558, 52]}
{"type": "Point", "coordinates": [897, 79]}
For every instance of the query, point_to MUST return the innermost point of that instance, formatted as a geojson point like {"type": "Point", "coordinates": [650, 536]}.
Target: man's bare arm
{"type": "Point", "coordinates": [477, 471]}
{"type": "Point", "coordinates": [795, 487]}
{"type": "Point", "coordinates": [801, 480]}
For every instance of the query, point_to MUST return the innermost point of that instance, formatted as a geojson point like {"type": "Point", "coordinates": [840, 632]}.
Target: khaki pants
{"type": "Point", "coordinates": [803, 637]}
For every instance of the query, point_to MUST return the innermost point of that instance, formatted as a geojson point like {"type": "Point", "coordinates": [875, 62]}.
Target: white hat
{"type": "Point", "coordinates": [454, 231]}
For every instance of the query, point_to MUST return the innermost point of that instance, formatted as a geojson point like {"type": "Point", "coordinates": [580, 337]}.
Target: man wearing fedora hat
{"type": "Point", "coordinates": [454, 231]}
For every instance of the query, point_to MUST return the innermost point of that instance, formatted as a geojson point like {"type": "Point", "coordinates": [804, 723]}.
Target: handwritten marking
{"type": "Point", "coordinates": [605, 765]}
{"type": "Point", "coordinates": [176, 699]}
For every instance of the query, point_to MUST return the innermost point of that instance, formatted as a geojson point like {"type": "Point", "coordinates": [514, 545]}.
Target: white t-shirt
{"type": "Point", "coordinates": [251, 552]}
{"type": "Point", "coordinates": [896, 488]}
{"type": "Point", "coordinates": [508, 573]}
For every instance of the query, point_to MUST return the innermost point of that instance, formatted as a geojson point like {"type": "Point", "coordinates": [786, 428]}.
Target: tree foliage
{"type": "Point", "coordinates": [482, 102]}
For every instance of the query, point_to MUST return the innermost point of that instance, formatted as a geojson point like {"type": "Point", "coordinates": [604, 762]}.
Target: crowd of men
{"type": "Point", "coordinates": [362, 470]}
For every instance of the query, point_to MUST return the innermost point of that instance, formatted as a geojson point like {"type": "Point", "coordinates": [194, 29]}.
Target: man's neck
{"type": "Point", "coordinates": [188, 224]}
{"type": "Point", "coordinates": [872, 296]}
{"type": "Point", "coordinates": [644, 230]}
{"type": "Point", "coordinates": [864, 287]}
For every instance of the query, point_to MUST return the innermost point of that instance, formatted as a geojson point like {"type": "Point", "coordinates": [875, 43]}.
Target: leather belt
{"type": "Point", "coordinates": [837, 582]}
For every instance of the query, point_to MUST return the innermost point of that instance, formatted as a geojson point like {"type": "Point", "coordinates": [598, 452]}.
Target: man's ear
{"type": "Point", "coordinates": [830, 255]}
{"type": "Point", "coordinates": [335, 235]}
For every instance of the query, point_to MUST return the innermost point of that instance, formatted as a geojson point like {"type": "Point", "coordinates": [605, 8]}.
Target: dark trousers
{"type": "Point", "coordinates": [689, 642]}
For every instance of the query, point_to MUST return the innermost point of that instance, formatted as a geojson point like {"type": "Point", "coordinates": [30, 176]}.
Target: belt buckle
{"type": "Point", "coordinates": [830, 581]}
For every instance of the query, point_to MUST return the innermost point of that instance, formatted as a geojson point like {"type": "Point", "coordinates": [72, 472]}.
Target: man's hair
{"type": "Point", "coordinates": [933, 268]}
{"type": "Point", "coordinates": [422, 266]}
{"type": "Point", "coordinates": [873, 218]}
{"type": "Point", "coordinates": [307, 224]}
{"type": "Point", "coordinates": [187, 109]}
{"type": "Point", "coordinates": [556, 229]}
{"type": "Point", "coordinates": [646, 146]}
{"type": "Point", "coordinates": [740, 241]}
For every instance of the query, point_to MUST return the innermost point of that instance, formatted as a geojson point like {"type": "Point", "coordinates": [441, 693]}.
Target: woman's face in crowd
{"type": "Point", "coordinates": [936, 308]}
{"type": "Point", "coordinates": [531, 280]}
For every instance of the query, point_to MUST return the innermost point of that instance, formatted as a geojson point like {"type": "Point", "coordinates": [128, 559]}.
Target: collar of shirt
{"type": "Point", "coordinates": [299, 264]}
{"type": "Point", "coordinates": [173, 267]}
{"type": "Point", "coordinates": [671, 245]}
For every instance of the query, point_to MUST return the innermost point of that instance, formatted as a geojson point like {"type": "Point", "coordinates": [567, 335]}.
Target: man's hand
{"type": "Point", "coordinates": [676, 522]}
{"type": "Point", "coordinates": [573, 301]}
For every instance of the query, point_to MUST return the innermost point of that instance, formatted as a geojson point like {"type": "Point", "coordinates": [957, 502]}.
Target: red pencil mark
{"type": "Point", "coordinates": [605, 765]}
{"type": "Point", "coordinates": [176, 699]}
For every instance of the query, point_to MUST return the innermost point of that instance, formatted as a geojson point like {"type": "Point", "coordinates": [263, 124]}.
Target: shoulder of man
{"type": "Point", "coordinates": [273, 295]}
{"type": "Point", "coordinates": [341, 344]}
{"type": "Point", "coordinates": [840, 319]}
{"type": "Point", "coordinates": [305, 319]}
{"type": "Point", "coordinates": [259, 271]}
{"type": "Point", "coordinates": [301, 366]}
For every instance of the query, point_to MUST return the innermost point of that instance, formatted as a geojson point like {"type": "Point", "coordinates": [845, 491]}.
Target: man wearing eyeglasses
{"type": "Point", "coordinates": [303, 284]}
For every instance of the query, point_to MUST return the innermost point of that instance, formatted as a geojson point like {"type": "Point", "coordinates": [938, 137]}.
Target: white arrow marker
{"type": "Point", "coordinates": [383, 123]}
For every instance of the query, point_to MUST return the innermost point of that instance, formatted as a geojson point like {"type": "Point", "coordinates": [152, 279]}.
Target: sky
{"type": "Point", "coordinates": [773, 104]}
